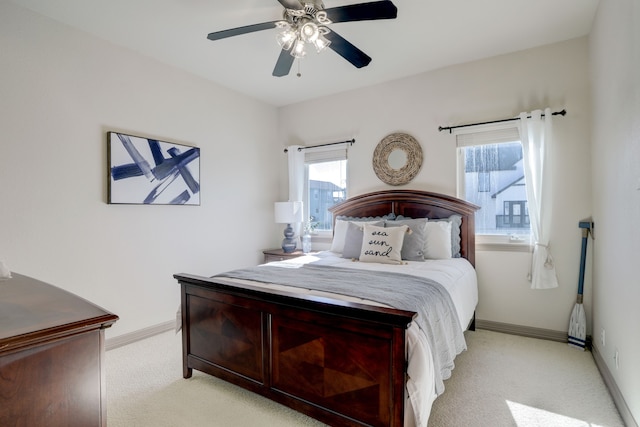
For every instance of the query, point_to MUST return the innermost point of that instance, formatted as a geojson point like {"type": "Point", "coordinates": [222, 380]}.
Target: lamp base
{"type": "Point", "coordinates": [288, 243]}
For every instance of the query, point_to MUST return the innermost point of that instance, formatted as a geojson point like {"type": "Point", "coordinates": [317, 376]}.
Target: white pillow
{"type": "Point", "coordinates": [437, 240]}
{"type": "Point", "coordinates": [339, 235]}
{"type": "Point", "coordinates": [383, 245]}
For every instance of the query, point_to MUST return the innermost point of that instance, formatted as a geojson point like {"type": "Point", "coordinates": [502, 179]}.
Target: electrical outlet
{"type": "Point", "coordinates": [616, 357]}
{"type": "Point", "coordinates": [602, 337]}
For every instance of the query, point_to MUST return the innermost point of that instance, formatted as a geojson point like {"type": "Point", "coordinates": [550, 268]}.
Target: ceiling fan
{"type": "Point", "coordinates": [305, 22]}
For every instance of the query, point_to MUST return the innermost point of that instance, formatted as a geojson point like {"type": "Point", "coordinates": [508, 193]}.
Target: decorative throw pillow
{"type": "Point", "coordinates": [413, 245]}
{"type": "Point", "coordinates": [353, 239]}
{"type": "Point", "coordinates": [438, 240]}
{"type": "Point", "coordinates": [383, 244]}
{"type": "Point", "coordinates": [456, 223]}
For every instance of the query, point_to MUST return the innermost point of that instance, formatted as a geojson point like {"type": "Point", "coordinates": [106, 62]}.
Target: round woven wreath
{"type": "Point", "coordinates": [397, 141]}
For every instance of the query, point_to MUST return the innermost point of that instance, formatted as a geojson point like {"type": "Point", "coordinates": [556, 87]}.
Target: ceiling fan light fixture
{"type": "Point", "coordinates": [287, 36]}
{"type": "Point", "coordinates": [311, 15]}
{"type": "Point", "coordinates": [307, 25]}
{"type": "Point", "coordinates": [285, 39]}
{"type": "Point", "coordinates": [321, 43]}
{"type": "Point", "coordinates": [298, 49]}
{"type": "Point", "coordinates": [309, 32]}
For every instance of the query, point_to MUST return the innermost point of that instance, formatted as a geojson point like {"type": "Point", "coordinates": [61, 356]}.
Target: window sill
{"type": "Point", "coordinates": [503, 247]}
{"type": "Point", "coordinates": [321, 238]}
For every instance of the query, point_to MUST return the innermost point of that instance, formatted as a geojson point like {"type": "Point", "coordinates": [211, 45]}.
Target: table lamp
{"type": "Point", "coordinates": [288, 213]}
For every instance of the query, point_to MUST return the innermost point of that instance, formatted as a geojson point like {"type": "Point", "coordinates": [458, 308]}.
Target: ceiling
{"type": "Point", "coordinates": [427, 35]}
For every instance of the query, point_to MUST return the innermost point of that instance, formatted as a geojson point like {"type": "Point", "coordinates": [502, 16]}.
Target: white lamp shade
{"type": "Point", "coordinates": [288, 212]}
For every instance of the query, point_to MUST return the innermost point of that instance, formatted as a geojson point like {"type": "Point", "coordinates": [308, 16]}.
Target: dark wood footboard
{"type": "Point", "coordinates": [339, 362]}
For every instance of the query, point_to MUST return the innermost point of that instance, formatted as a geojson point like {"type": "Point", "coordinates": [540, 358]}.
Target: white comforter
{"type": "Point", "coordinates": [458, 277]}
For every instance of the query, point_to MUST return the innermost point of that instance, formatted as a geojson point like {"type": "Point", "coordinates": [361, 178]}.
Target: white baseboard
{"type": "Point", "coordinates": [131, 337]}
{"type": "Point", "coordinates": [525, 331]}
{"type": "Point", "coordinates": [618, 399]}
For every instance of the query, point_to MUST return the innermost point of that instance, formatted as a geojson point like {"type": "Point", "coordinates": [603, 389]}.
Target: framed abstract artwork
{"type": "Point", "coordinates": [151, 172]}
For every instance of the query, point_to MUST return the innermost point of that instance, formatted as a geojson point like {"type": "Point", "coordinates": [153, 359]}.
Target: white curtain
{"type": "Point", "coordinates": [536, 137]}
{"type": "Point", "coordinates": [295, 160]}
{"type": "Point", "coordinates": [296, 172]}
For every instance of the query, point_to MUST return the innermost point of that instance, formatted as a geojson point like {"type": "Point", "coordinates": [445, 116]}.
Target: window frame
{"type": "Point", "coordinates": [322, 155]}
{"type": "Point", "coordinates": [490, 134]}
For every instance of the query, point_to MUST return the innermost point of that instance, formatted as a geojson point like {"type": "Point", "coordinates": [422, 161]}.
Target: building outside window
{"type": "Point", "coordinates": [325, 185]}
{"type": "Point", "coordinates": [324, 194]}
{"type": "Point", "coordinates": [491, 175]}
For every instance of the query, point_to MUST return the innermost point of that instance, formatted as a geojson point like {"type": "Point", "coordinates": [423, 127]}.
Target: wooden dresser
{"type": "Point", "coordinates": [51, 356]}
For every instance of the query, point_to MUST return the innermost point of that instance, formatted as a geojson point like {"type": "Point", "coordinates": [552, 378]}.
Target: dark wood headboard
{"type": "Point", "coordinates": [415, 204]}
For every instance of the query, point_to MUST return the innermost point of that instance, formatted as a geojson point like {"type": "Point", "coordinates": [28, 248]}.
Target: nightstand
{"type": "Point", "coordinates": [278, 254]}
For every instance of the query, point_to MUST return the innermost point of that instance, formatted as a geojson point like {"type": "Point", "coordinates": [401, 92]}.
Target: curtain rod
{"type": "Point", "coordinates": [451, 128]}
{"type": "Point", "coordinates": [350, 142]}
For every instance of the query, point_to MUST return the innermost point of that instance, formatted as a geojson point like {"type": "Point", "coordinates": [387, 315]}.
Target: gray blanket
{"type": "Point", "coordinates": [437, 317]}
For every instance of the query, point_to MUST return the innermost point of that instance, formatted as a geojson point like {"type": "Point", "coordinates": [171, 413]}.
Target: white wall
{"type": "Point", "coordinates": [553, 76]}
{"type": "Point", "coordinates": [60, 92]}
{"type": "Point", "coordinates": [615, 79]}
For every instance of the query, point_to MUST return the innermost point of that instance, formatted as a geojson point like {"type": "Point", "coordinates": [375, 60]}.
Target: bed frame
{"type": "Point", "coordinates": [339, 362]}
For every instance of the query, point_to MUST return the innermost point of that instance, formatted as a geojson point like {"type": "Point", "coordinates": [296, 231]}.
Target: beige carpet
{"type": "Point", "coordinates": [507, 380]}
{"type": "Point", "coordinates": [502, 380]}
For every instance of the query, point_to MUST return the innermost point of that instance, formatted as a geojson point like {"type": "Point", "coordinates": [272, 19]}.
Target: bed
{"type": "Point", "coordinates": [342, 360]}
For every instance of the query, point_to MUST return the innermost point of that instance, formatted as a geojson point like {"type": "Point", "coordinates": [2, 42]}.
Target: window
{"type": "Point", "coordinates": [491, 175]}
{"type": "Point", "coordinates": [325, 185]}
{"type": "Point", "coordinates": [516, 215]}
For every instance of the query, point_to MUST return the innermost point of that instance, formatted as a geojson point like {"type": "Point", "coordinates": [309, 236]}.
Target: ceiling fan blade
{"type": "Point", "coordinates": [217, 35]}
{"type": "Point", "coordinates": [283, 65]}
{"type": "Point", "coordinates": [363, 11]}
{"type": "Point", "coordinates": [348, 51]}
{"type": "Point", "coordinates": [291, 4]}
